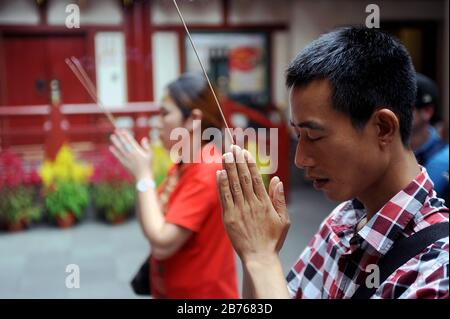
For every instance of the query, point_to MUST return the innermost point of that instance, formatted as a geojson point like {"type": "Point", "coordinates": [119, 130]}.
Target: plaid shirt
{"type": "Point", "coordinates": [334, 263]}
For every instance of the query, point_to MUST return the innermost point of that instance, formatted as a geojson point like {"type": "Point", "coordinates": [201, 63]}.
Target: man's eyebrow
{"type": "Point", "coordinates": [308, 124]}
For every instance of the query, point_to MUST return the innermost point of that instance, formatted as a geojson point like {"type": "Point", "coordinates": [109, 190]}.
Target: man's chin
{"type": "Point", "coordinates": [337, 196]}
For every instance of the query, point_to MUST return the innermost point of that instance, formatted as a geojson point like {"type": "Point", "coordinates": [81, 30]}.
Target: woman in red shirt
{"type": "Point", "coordinates": [192, 256]}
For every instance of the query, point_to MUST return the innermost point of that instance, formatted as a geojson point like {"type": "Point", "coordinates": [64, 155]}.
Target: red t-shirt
{"type": "Point", "coordinates": [204, 267]}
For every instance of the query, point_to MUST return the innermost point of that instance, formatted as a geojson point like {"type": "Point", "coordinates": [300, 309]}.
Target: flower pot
{"type": "Point", "coordinates": [19, 225]}
{"type": "Point", "coordinates": [115, 218]}
{"type": "Point", "coordinates": [15, 227]}
{"type": "Point", "coordinates": [118, 219]}
{"type": "Point", "coordinates": [65, 220]}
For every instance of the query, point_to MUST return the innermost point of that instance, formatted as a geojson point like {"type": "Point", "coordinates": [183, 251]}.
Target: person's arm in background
{"type": "Point", "coordinates": [165, 238]}
{"type": "Point", "coordinates": [256, 227]}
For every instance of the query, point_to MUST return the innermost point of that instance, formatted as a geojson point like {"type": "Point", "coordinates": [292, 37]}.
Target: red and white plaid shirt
{"type": "Point", "coordinates": [333, 264]}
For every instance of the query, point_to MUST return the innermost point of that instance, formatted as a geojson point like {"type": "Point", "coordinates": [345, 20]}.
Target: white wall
{"type": "Point", "coordinates": [26, 12]}
{"type": "Point", "coordinates": [98, 12]}
{"type": "Point", "coordinates": [281, 41]}
{"type": "Point", "coordinates": [110, 69]}
{"type": "Point", "coordinates": [165, 59]}
{"type": "Point", "coordinates": [194, 12]}
{"type": "Point", "coordinates": [259, 12]}
{"type": "Point", "coordinates": [19, 12]}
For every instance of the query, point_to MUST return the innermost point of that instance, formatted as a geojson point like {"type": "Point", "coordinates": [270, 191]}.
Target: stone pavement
{"type": "Point", "coordinates": [33, 262]}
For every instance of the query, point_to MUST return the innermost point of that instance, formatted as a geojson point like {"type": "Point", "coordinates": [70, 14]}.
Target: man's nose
{"type": "Point", "coordinates": [302, 159]}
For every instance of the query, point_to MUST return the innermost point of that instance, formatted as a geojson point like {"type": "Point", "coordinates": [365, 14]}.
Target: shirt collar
{"type": "Point", "coordinates": [387, 224]}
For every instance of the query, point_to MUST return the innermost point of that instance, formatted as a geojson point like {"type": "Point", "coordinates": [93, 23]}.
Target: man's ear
{"type": "Point", "coordinates": [387, 126]}
{"type": "Point", "coordinates": [194, 120]}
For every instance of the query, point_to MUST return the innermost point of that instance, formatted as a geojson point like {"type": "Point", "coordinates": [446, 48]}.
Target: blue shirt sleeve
{"type": "Point", "coordinates": [437, 168]}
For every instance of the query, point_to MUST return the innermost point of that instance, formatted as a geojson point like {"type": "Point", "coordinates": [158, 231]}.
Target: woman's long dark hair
{"type": "Point", "coordinates": [191, 91]}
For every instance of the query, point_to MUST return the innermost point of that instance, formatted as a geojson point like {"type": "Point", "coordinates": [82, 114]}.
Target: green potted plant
{"type": "Point", "coordinates": [114, 202]}
{"type": "Point", "coordinates": [17, 209]}
{"type": "Point", "coordinates": [112, 189]}
{"type": "Point", "coordinates": [66, 203]}
{"type": "Point", "coordinates": [66, 188]}
{"type": "Point", "coordinates": [18, 193]}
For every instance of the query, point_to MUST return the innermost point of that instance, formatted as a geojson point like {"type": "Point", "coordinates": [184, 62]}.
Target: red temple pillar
{"type": "Point", "coordinates": [55, 126]}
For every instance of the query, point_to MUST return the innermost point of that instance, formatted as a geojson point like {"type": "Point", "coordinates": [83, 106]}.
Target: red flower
{"type": "Point", "coordinates": [32, 178]}
{"type": "Point", "coordinates": [11, 168]}
{"type": "Point", "coordinates": [109, 169]}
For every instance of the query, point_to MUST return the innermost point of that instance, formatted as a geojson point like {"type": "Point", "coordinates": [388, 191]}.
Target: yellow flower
{"type": "Point", "coordinates": [46, 173]}
{"type": "Point", "coordinates": [81, 173]}
{"type": "Point", "coordinates": [65, 168]}
{"type": "Point", "coordinates": [161, 162]}
{"type": "Point", "coordinates": [61, 171]}
{"type": "Point", "coordinates": [261, 161]}
{"type": "Point", "coordinates": [65, 155]}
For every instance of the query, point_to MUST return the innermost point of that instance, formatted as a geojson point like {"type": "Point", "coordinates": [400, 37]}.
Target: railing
{"type": "Point", "coordinates": [31, 127]}
{"type": "Point", "coordinates": [36, 132]}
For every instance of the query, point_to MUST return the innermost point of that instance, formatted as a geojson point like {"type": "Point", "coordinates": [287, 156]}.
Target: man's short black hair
{"type": "Point", "coordinates": [367, 69]}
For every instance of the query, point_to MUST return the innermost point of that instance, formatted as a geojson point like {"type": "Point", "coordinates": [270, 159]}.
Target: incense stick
{"type": "Point", "coordinates": [88, 81]}
{"type": "Point", "coordinates": [203, 69]}
{"type": "Point", "coordinates": [77, 69]}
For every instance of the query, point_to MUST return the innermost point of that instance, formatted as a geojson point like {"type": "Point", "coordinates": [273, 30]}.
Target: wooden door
{"type": "Point", "coordinates": [26, 71]}
{"type": "Point", "coordinates": [32, 62]}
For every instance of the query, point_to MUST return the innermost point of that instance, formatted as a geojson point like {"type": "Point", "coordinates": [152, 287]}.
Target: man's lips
{"type": "Point", "coordinates": [318, 182]}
